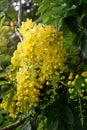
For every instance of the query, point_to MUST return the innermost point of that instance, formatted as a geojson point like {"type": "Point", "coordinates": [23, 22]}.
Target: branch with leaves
{"type": "Point", "coordinates": [16, 124]}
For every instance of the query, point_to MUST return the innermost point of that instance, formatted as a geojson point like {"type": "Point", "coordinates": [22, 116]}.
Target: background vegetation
{"type": "Point", "coordinates": [69, 111]}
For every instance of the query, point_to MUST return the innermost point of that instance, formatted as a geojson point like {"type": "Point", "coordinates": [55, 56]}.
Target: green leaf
{"type": "Point", "coordinates": [45, 17]}
{"type": "Point", "coordinates": [85, 124]}
{"type": "Point", "coordinates": [11, 13]}
{"type": "Point", "coordinates": [72, 23]}
{"type": "Point", "coordinates": [26, 126]}
{"type": "Point", "coordinates": [3, 3]}
{"type": "Point", "coordinates": [52, 121]}
{"type": "Point", "coordinates": [2, 15]}
{"type": "Point", "coordinates": [84, 21]}
{"type": "Point", "coordinates": [1, 68]}
{"type": "Point", "coordinates": [3, 82]}
{"type": "Point", "coordinates": [77, 124]}
{"type": "Point", "coordinates": [52, 115]}
{"type": "Point", "coordinates": [67, 115]}
{"type": "Point", "coordinates": [51, 11]}
{"type": "Point", "coordinates": [77, 39]}
{"type": "Point", "coordinates": [11, 93]}
{"type": "Point", "coordinates": [61, 126]}
{"type": "Point", "coordinates": [85, 1]}
{"type": "Point", "coordinates": [43, 7]}
{"type": "Point", "coordinates": [2, 111]}
{"type": "Point", "coordinates": [4, 58]}
{"type": "Point", "coordinates": [1, 118]}
{"type": "Point", "coordinates": [53, 125]}
{"type": "Point", "coordinates": [6, 123]}
{"type": "Point", "coordinates": [2, 75]}
{"type": "Point", "coordinates": [41, 125]}
{"type": "Point", "coordinates": [84, 45]}
{"type": "Point", "coordinates": [2, 19]}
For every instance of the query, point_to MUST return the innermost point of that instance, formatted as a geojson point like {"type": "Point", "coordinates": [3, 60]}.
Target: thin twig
{"type": "Point", "coordinates": [19, 13]}
{"type": "Point", "coordinates": [17, 33]}
{"type": "Point", "coordinates": [19, 20]}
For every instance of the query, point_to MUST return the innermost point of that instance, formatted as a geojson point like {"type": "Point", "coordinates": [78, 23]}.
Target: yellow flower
{"type": "Point", "coordinates": [70, 77]}
{"type": "Point", "coordinates": [82, 84]}
{"type": "Point", "coordinates": [73, 82]}
{"type": "Point", "coordinates": [86, 80]}
{"type": "Point", "coordinates": [39, 59]}
{"type": "Point", "coordinates": [84, 74]}
{"type": "Point", "coordinates": [69, 83]}
{"type": "Point", "coordinates": [77, 76]}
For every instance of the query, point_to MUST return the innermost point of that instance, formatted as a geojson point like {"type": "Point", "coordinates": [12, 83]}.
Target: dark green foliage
{"type": "Point", "coordinates": [67, 115]}
{"type": "Point", "coordinates": [84, 44]}
{"type": "Point", "coordinates": [72, 23]}
{"type": "Point", "coordinates": [72, 13]}
{"type": "Point", "coordinates": [70, 16]}
{"type": "Point", "coordinates": [84, 21]}
{"type": "Point", "coordinates": [77, 39]}
{"type": "Point", "coordinates": [53, 125]}
{"type": "Point", "coordinates": [5, 119]}
{"type": "Point", "coordinates": [52, 11]}
{"type": "Point", "coordinates": [60, 117]}
{"type": "Point", "coordinates": [1, 118]}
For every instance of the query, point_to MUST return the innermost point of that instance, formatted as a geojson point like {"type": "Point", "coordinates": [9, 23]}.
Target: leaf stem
{"type": "Point", "coordinates": [81, 114]}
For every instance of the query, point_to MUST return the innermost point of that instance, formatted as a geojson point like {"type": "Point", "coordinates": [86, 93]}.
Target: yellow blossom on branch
{"type": "Point", "coordinates": [39, 58]}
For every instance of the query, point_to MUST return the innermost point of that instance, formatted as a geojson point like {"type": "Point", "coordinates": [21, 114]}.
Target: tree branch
{"type": "Point", "coordinates": [13, 126]}
{"type": "Point", "coordinates": [19, 13]}
{"type": "Point", "coordinates": [19, 20]}
{"type": "Point", "coordinates": [16, 124]}
{"type": "Point", "coordinates": [17, 33]}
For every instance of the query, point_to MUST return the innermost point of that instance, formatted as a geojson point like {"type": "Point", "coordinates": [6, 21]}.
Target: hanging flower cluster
{"type": "Point", "coordinates": [38, 60]}
{"type": "Point", "coordinates": [77, 85]}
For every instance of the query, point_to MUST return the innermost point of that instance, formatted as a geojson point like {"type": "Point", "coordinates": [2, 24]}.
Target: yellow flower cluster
{"type": "Point", "coordinates": [39, 58]}
{"type": "Point", "coordinates": [77, 85]}
{"type": "Point", "coordinates": [5, 33]}
{"type": "Point", "coordinates": [72, 79]}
